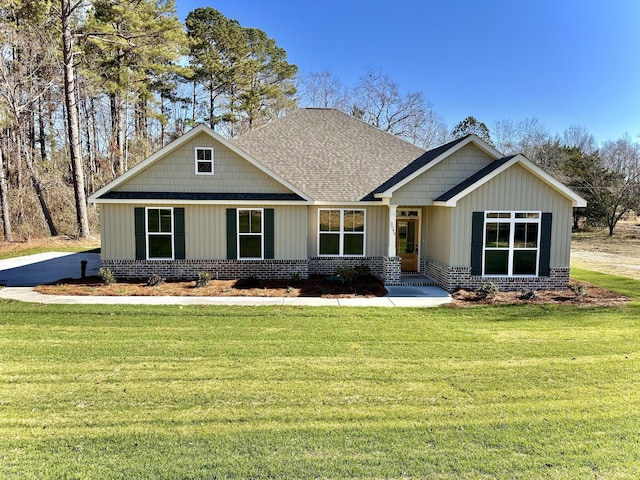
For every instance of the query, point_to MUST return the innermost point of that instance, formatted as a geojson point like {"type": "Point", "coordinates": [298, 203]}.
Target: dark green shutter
{"type": "Point", "coordinates": [141, 241]}
{"type": "Point", "coordinates": [232, 234]}
{"type": "Point", "coordinates": [269, 234]}
{"type": "Point", "coordinates": [477, 240]}
{"type": "Point", "coordinates": [544, 268]}
{"type": "Point", "coordinates": [178, 233]}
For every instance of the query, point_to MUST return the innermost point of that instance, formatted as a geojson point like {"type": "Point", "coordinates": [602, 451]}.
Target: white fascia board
{"type": "Point", "coordinates": [158, 201]}
{"type": "Point", "coordinates": [178, 143]}
{"type": "Point", "coordinates": [482, 145]}
{"type": "Point", "coordinates": [576, 200]}
{"type": "Point", "coordinates": [348, 204]}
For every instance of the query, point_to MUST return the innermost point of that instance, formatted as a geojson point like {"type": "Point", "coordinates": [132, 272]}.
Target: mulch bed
{"type": "Point", "coordinates": [319, 286]}
{"type": "Point", "coordinates": [314, 286]}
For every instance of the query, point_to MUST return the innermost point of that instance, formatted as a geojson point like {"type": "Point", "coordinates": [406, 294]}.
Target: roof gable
{"type": "Point", "coordinates": [172, 170]}
{"type": "Point", "coordinates": [451, 197]}
{"type": "Point", "coordinates": [428, 161]}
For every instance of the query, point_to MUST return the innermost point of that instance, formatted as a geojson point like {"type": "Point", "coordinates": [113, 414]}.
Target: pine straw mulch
{"type": "Point", "coordinates": [593, 297]}
{"type": "Point", "coordinates": [314, 286]}
{"type": "Point", "coordinates": [318, 286]}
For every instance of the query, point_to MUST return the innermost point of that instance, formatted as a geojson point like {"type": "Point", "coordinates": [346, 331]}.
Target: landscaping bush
{"type": "Point", "coordinates": [487, 290]}
{"type": "Point", "coordinates": [155, 280]}
{"type": "Point", "coordinates": [203, 279]}
{"type": "Point", "coordinates": [107, 275]}
{"type": "Point", "coordinates": [529, 295]}
{"type": "Point", "coordinates": [578, 289]}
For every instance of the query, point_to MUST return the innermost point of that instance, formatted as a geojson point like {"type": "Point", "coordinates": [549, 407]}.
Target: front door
{"type": "Point", "coordinates": [407, 244]}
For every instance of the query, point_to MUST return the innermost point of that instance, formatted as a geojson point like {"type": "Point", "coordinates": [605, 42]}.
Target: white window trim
{"type": "Point", "coordinates": [239, 234]}
{"type": "Point", "coordinates": [342, 232]}
{"type": "Point", "coordinates": [204, 161]}
{"type": "Point", "coordinates": [512, 220]}
{"type": "Point", "coordinates": [148, 233]}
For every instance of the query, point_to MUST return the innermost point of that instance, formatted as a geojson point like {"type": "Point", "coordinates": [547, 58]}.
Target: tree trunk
{"type": "Point", "coordinates": [4, 203]}
{"type": "Point", "coordinates": [73, 119]}
{"type": "Point", "coordinates": [41, 133]}
{"type": "Point", "coordinates": [35, 181]}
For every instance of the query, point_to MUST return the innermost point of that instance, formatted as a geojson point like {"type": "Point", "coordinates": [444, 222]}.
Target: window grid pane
{"type": "Point", "coordinates": [341, 232]}
{"type": "Point", "coordinates": [511, 243]}
{"type": "Point", "coordinates": [329, 220]}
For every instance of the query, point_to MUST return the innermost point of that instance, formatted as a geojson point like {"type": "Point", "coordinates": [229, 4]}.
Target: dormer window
{"type": "Point", "coordinates": [204, 161]}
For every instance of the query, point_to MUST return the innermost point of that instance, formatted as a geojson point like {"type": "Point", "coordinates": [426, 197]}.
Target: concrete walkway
{"type": "Point", "coordinates": [23, 273]}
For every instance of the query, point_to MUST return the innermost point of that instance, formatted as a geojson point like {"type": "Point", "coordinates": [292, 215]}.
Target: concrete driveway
{"type": "Point", "coordinates": [49, 267]}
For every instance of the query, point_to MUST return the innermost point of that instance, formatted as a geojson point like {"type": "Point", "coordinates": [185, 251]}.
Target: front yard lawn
{"type": "Point", "coordinates": [531, 391]}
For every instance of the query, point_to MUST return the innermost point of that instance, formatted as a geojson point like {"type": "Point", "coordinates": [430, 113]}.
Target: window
{"type": "Point", "coordinates": [250, 233]}
{"type": "Point", "coordinates": [159, 230]}
{"type": "Point", "coordinates": [511, 243]}
{"type": "Point", "coordinates": [204, 161]}
{"type": "Point", "coordinates": [341, 232]}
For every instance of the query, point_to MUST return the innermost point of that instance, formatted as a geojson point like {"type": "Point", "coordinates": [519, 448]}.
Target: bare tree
{"type": "Point", "coordinates": [379, 101]}
{"type": "Point", "coordinates": [67, 9]}
{"type": "Point", "coordinates": [322, 90]}
{"type": "Point", "coordinates": [527, 137]}
{"type": "Point", "coordinates": [27, 62]}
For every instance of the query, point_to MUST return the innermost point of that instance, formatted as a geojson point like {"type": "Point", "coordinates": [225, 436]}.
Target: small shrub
{"type": "Point", "coordinates": [291, 290]}
{"type": "Point", "coordinates": [363, 271]}
{"type": "Point", "coordinates": [107, 275]}
{"type": "Point", "coordinates": [155, 280]}
{"type": "Point", "coordinates": [296, 277]}
{"type": "Point", "coordinates": [578, 289]}
{"type": "Point", "coordinates": [487, 290]}
{"type": "Point", "coordinates": [529, 295]}
{"type": "Point", "coordinates": [203, 279]}
{"type": "Point", "coordinates": [346, 274]}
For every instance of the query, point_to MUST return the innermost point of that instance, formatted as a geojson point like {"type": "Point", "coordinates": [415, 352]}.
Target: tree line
{"type": "Point", "coordinates": [88, 88]}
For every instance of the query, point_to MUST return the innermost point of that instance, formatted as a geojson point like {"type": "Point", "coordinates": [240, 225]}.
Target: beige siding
{"type": "Point", "coordinates": [117, 231]}
{"type": "Point", "coordinates": [176, 173]}
{"type": "Point", "coordinates": [514, 189]}
{"type": "Point", "coordinates": [376, 226]}
{"type": "Point", "coordinates": [442, 177]}
{"type": "Point", "coordinates": [438, 234]}
{"type": "Point", "coordinates": [291, 232]}
{"type": "Point", "coordinates": [205, 232]}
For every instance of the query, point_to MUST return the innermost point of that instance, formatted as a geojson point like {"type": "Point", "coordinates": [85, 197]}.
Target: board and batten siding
{"type": "Point", "coordinates": [442, 177]}
{"type": "Point", "coordinates": [515, 190]}
{"type": "Point", "coordinates": [376, 229]}
{"type": "Point", "coordinates": [438, 234]}
{"type": "Point", "coordinates": [176, 173]}
{"type": "Point", "coordinates": [205, 231]}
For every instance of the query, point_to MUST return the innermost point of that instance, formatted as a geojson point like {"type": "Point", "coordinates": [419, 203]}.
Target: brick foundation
{"type": "Point", "coordinates": [218, 269]}
{"type": "Point", "coordinates": [385, 268]}
{"type": "Point", "coordinates": [455, 278]}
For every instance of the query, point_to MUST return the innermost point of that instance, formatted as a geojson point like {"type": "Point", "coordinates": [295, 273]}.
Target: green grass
{"type": "Point", "coordinates": [282, 392]}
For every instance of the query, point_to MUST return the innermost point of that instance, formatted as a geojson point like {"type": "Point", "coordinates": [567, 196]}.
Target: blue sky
{"type": "Point", "coordinates": [564, 62]}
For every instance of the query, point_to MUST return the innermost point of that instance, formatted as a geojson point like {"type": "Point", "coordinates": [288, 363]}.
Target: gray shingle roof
{"type": "Point", "coordinates": [328, 154]}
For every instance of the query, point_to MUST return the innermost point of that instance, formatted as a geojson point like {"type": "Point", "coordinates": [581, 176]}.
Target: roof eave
{"type": "Point", "coordinates": [576, 200]}
{"type": "Point", "coordinates": [149, 161]}
{"type": "Point", "coordinates": [470, 139]}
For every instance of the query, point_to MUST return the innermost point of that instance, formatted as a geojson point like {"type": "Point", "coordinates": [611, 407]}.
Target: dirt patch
{"type": "Point", "coordinates": [617, 255]}
{"type": "Point", "coordinates": [593, 297]}
{"type": "Point", "coordinates": [315, 286]}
